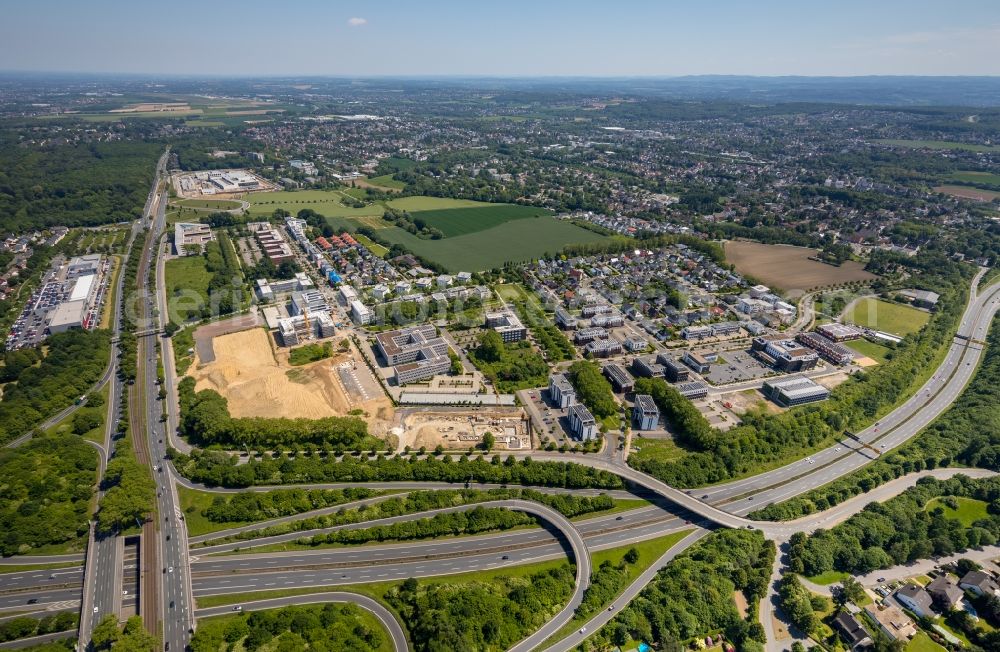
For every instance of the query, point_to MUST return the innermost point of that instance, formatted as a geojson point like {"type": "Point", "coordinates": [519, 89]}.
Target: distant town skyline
{"type": "Point", "coordinates": [513, 38]}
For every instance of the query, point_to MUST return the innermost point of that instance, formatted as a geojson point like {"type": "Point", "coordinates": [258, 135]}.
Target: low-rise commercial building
{"type": "Point", "coordinates": [604, 348]}
{"type": "Point", "coordinates": [834, 352]}
{"type": "Point", "coordinates": [622, 380]}
{"type": "Point", "coordinates": [783, 353]}
{"type": "Point", "coordinates": [191, 237]}
{"type": "Point", "coordinates": [794, 390]}
{"type": "Point", "coordinates": [673, 370]}
{"type": "Point", "coordinates": [839, 332]}
{"type": "Point", "coordinates": [693, 390]}
{"type": "Point", "coordinates": [507, 325]}
{"type": "Point", "coordinates": [697, 362]}
{"type": "Point", "coordinates": [361, 314]}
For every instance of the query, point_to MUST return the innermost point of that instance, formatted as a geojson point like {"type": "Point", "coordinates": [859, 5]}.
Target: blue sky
{"type": "Point", "coordinates": [503, 37]}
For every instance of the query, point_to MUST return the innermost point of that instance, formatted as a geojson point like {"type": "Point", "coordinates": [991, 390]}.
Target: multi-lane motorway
{"type": "Point", "coordinates": [170, 579]}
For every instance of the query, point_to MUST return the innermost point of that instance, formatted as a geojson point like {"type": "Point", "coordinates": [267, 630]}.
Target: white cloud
{"type": "Point", "coordinates": [357, 22]}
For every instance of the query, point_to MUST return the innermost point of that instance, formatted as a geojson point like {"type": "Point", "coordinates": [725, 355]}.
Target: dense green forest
{"type": "Point", "coordinates": [901, 530]}
{"type": "Point", "coordinates": [73, 185]}
{"type": "Point", "coordinates": [417, 502]}
{"type": "Point", "coordinates": [206, 421]}
{"type": "Point", "coordinates": [74, 361]}
{"type": "Point", "coordinates": [693, 596]}
{"type": "Point", "coordinates": [764, 438]}
{"type": "Point", "coordinates": [45, 492]}
{"type": "Point", "coordinates": [480, 615]}
{"type": "Point", "coordinates": [220, 469]}
{"type": "Point", "coordinates": [317, 628]}
{"type": "Point", "coordinates": [968, 433]}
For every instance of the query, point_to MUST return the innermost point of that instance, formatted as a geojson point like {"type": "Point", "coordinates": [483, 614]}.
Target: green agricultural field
{"type": "Point", "coordinates": [515, 241]}
{"type": "Point", "coordinates": [937, 144]}
{"type": "Point", "coordinates": [986, 179]}
{"type": "Point", "coordinates": [209, 204]}
{"type": "Point", "coordinates": [460, 221]}
{"type": "Point", "coordinates": [969, 510]}
{"type": "Point", "coordinates": [386, 181]}
{"type": "Point", "coordinates": [870, 349]}
{"type": "Point", "coordinates": [894, 318]}
{"type": "Point", "coordinates": [186, 274]}
{"type": "Point", "coordinates": [325, 202]}
{"type": "Point", "coordinates": [415, 204]}
{"type": "Point", "coordinates": [373, 247]}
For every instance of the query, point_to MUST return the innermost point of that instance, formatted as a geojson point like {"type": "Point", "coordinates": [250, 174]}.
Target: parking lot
{"type": "Point", "coordinates": [739, 366]}
{"type": "Point", "coordinates": [551, 423]}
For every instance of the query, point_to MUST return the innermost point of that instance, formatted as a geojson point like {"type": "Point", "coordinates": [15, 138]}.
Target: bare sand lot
{"type": "Point", "coordinates": [257, 380]}
{"type": "Point", "coordinates": [788, 268]}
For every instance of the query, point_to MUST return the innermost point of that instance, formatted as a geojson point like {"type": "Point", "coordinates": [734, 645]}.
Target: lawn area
{"type": "Point", "coordinates": [193, 502]}
{"type": "Point", "coordinates": [308, 353]}
{"type": "Point", "coordinates": [186, 275]}
{"type": "Point", "coordinates": [829, 577]}
{"type": "Point", "coordinates": [923, 643]}
{"type": "Point", "coordinates": [874, 351]}
{"type": "Point", "coordinates": [23, 568]}
{"type": "Point", "coordinates": [325, 202]}
{"type": "Point", "coordinates": [108, 311]}
{"type": "Point", "coordinates": [937, 144]}
{"type": "Point", "coordinates": [209, 204]}
{"type": "Point", "coordinates": [663, 450]}
{"type": "Point", "coordinates": [373, 247]}
{"type": "Point", "coordinates": [461, 221]}
{"type": "Point", "coordinates": [894, 318]}
{"type": "Point", "coordinates": [386, 181]}
{"type": "Point", "coordinates": [515, 241]}
{"type": "Point", "coordinates": [969, 510]}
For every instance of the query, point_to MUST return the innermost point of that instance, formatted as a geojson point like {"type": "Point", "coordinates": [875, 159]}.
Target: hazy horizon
{"type": "Point", "coordinates": [446, 38]}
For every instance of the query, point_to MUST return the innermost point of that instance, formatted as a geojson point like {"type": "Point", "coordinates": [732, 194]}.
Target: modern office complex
{"type": "Point", "coordinates": [645, 414]}
{"type": "Point", "coordinates": [794, 390]}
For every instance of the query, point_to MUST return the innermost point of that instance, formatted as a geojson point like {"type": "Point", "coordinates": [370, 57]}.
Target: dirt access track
{"type": "Point", "coordinates": [255, 377]}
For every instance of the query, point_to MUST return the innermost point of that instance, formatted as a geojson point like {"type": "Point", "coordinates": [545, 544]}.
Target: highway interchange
{"type": "Point", "coordinates": [183, 569]}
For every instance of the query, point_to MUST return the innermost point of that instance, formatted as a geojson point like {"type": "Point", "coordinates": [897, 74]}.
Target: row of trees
{"type": "Point", "coordinates": [74, 361]}
{"type": "Point", "coordinates": [45, 492]}
{"type": "Point", "coordinates": [206, 421]}
{"type": "Point", "coordinates": [250, 506]}
{"type": "Point", "coordinates": [967, 433]}
{"type": "Point", "coordinates": [220, 469]}
{"type": "Point", "coordinates": [765, 438]}
{"type": "Point", "coordinates": [130, 637]}
{"type": "Point", "coordinates": [606, 581]}
{"type": "Point", "coordinates": [25, 626]}
{"type": "Point", "coordinates": [693, 595]}
{"type": "Point", "coordinates": [474, 521]}
{"type": "Point", "coordinates": [422, 501]}
{"type": "Point", "coordinates": [592, 388]}
{"type": "Point", "coordinates": [480, 615]}
{"type": "Point", "coordinates": [320, 628]}
{"type": "Point", "coordinates": [129, 491]}
{"type": "Point", "coordinates": [903, 529]}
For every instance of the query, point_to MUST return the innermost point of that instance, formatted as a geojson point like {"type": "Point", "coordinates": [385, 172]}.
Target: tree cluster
{"type": "Point", "coordinates": [129, 492]}
{"type": "Point", "coordinates": [693, 595]}
{"type": "Point", "coordinates": [250, 506]}
{"type": "Point", "coordinates": [318, 628]}
{"type": "Point", "coordinates": [26, 626]}
{"type": "Point", "coordinates": [45, 493]}
{"type": "Point", "coordinates": [221, 469]}
{"type": "Point", "coordinates": [480, 615]}
{"type": "Point", "coordinates": [592, 388]}
{"type": "Point", "coordinates": [900, 530]}
{"type": "Point", "coordinates": [74, 361]}
{"type": "Point", "coordinates": [510, 366]}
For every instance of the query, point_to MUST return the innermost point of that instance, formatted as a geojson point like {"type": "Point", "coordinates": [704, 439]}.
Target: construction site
{"type": "Point", "coordinates": [255, 377]}
{"type": "Point", "coordinates": [461, 429]}
{"type": "Point", "coordinates": [219, 184]}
